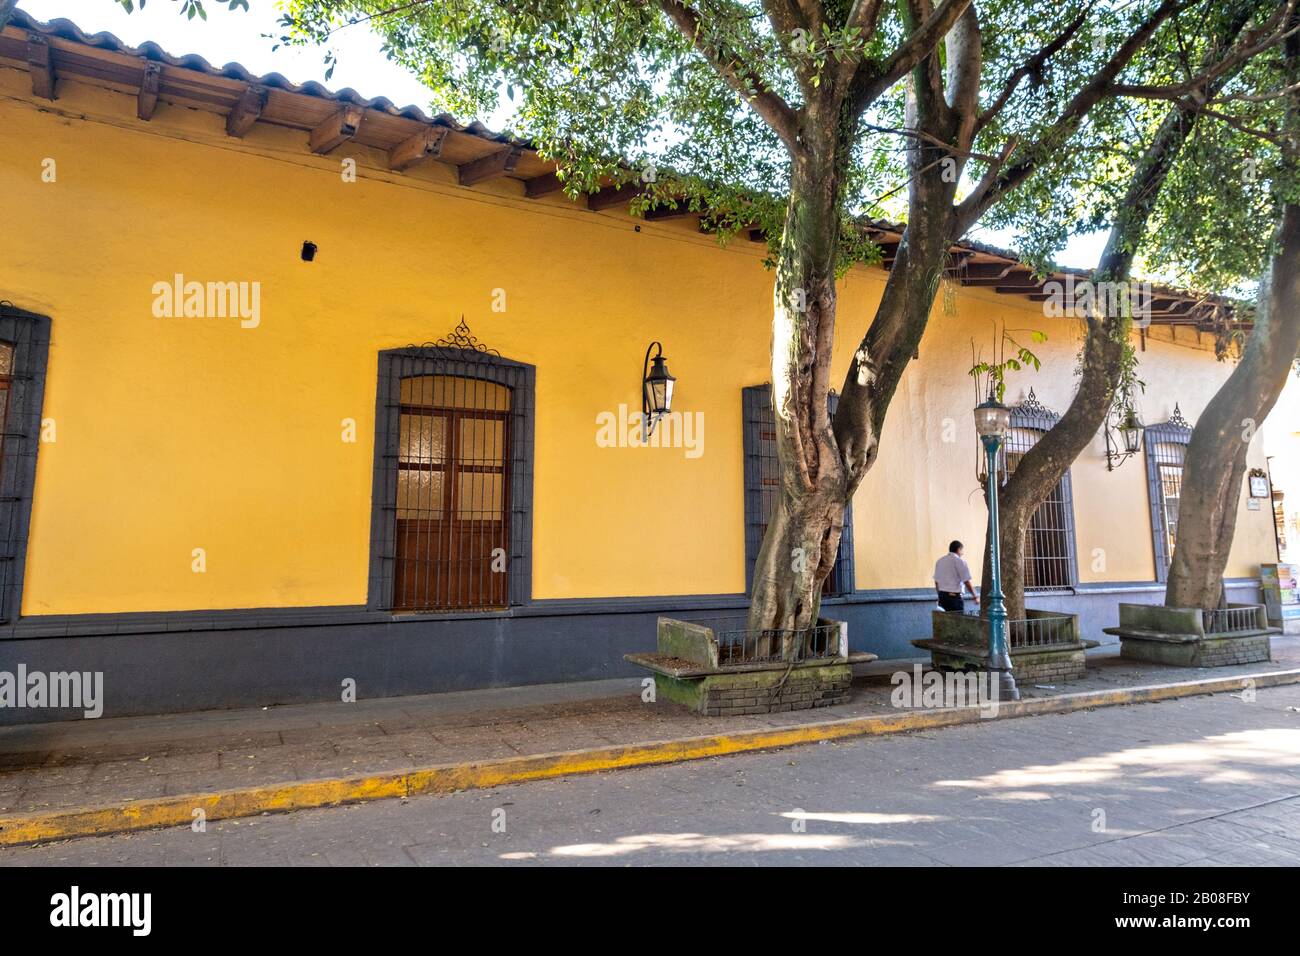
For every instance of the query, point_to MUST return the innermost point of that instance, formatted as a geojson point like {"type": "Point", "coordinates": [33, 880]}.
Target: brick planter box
{"type": "Point", "coordinates": [1238, 634]}
{"type": "Point", "coordinates": [1046, 648]}
{"type": "Point", "coordinates": [687, 671]}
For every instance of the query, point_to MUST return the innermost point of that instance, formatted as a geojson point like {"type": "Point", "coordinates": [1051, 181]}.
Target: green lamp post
{"type": "Point", "coordinates": [992, 419]}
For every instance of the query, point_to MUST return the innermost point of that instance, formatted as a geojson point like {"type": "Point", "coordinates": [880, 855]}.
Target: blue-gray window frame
{"type": "Point", "coordinates": [1170, 433]}
{"type": "Point", "coordinates": [757, 417]}
{"type": "Point", "coordinates": [29, 336]}
{"type": "Point", "coordinates": [1031, 415]}
{"type": "Point", "coordinates": [521, 379]}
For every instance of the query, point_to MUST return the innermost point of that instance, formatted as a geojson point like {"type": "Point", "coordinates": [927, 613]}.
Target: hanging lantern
{"type": "Point", "coordinates": [1129, 427]}
{"type": "Point", "coordinates": [1130, 430]}
{"type": "Point", "coordinates": [656, 388]}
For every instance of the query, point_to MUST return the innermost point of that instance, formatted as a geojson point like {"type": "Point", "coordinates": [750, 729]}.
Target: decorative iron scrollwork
{"type": "Point", "coordinates": [1177, 419]}
{"type": "Point", "coordinates": [461, 339]}
{"type": "Point", "coordinates": [1032, 406]}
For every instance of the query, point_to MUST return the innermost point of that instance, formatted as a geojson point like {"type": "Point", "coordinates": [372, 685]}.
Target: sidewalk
{"type": "Point", "coordinates": [56, 767]}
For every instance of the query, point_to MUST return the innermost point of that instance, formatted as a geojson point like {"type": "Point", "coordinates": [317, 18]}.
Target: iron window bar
{"type": "Point", "coordinates": [763, 489]}
{"type": "Point", "coordinates": [453, 478]}
{"type": "Point", "coordinates": [1166, 447]}
{"type": "Point", "coordinates": [1051, 561]}
{"type": "Point", "coordinates": [24, 344]}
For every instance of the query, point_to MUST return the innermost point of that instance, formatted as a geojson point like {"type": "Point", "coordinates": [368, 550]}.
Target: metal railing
{"type": "Point", "coordinates": [737, 644]}
{"type": "Point", "coordinates": [1041, 631]}
{"type": "Point", "coordinates": [1226, 620]}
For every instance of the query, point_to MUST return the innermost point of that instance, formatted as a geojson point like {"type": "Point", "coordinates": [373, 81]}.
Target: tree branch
{"type": "Point", "coordinates": [1246, 128]}
{"type": "Point", "coordinates": [863, 15]}
{"type": "Point", "coordinates": [1032, 67]}
{"type": "Point", "coordinates": [1248, 46]}
{"type": "Point", "coordinates": [763, 100]}
{"type": "Point", "coordinates": [1100, 85]}
{"type": "Point", "coordinates": [872, 79]}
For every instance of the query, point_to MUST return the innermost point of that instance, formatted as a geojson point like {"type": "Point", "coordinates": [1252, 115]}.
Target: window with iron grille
{"type": "Point", "coordinates": [763, 487]}
{"type": "Point", "coordinates": [1050, 558]}
{"type": "Point", "coordinates": [1166, 446]}
{"type": "Point", "coordinates": [452, 525]}
{"type": "Point", "coordinates": [1279, 522]}
{"type": "Point", "coordinates": [24, 350]}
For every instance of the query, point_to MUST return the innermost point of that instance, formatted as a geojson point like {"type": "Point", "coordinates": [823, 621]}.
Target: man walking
{"type": "Point", "coordinates": [951, 577]}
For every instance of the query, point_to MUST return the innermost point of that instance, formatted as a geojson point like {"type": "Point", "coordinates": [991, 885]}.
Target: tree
{"type": "Point", "coordinates": [1215, 461]}
{"type": "Point", "coordinates": [770, 113]}
{"type": "Point", "coordinates": [1107, 360]}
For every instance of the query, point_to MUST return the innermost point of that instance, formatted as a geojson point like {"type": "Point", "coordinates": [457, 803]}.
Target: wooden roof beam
{"type": "Point", "coordinates": [491, 166]}
{"type": "Point", "coordinates": [1175, 306]}
{"type": "Point", "coordinates": [989, 270]}
{"type": "Point", "coordinates": [1025, 290]}
{"type": "Point", "coordinates": [608, 198]}
{"type": "Point", "coordinates": [40, 66]}
{"type": "Point", "coordinates": [336, 130]}
{"type": "Point", "coordinates": [543, 185]}
{"type": "Point", "coordinates": [246, 110]}
{"type": "Point", "coordinates": [660, 213]}
{"type": "Point", "coordinates": [425, 144]}
{"type": "Point", "coordinates": [958, 262]}
{"type": "Point", "coordinates": [146, 100]}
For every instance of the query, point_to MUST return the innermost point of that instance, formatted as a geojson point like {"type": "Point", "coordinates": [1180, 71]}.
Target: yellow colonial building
{"type": "Point", "coordinates": [302, 387]}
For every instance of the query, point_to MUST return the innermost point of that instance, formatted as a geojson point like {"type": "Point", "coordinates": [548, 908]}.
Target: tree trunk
{"type": "Point", "coordinates": [1215, 462]}
{"type": "Point", "coordinates": [1044, 465]}
{"type": "Point", "coordinates": [892, 339]}
{"type": "Point", "coordinates": [822, 463]}
{"type": "Point", "coordinates": [1105, 347]}
{"type": "Point", "coordinates": [803, 533]}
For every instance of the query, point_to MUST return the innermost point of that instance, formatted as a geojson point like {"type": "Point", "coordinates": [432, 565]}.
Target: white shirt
{"type": "Point", "coordinates": [951, 572]}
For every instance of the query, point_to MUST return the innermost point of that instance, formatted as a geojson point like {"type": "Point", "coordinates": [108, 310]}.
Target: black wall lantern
{"type": "Point", "coordinates": [656, 388]}
{"type": "Point", "coordinates": [1129, 428]}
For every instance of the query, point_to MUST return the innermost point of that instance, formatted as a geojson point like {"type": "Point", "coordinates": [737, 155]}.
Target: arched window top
{"type": "Point", "coordinates": [1030, 413]}
{"type": "Point", "coordinates": [454, 391]}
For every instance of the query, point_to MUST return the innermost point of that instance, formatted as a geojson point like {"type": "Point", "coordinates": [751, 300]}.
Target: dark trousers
{"type": "Point", "coordinates": [951, 602]}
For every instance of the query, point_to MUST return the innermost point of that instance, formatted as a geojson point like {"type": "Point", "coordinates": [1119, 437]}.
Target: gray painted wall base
{"type": "Point", "coordinates": [246, 665]}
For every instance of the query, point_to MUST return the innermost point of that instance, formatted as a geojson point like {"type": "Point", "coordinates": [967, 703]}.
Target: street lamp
{"type": "Point", "coordinates": [1129, 427]}
{"type": "Point", "coordinates": [992, 419]}
{"type": "Point", "coordinates": [656, 388]}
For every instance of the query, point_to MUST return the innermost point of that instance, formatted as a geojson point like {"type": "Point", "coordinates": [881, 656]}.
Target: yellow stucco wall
{"type": "Point", "coordinates": [175, 433]}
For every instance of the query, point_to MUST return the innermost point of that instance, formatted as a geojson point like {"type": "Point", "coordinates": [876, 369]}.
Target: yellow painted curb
{"type": "Point", "coordinates": [306, 794]}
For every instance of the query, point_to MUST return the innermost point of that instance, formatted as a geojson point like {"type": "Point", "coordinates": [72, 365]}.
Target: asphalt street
{"type": "Point", "coordinates": [1198, 781]}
